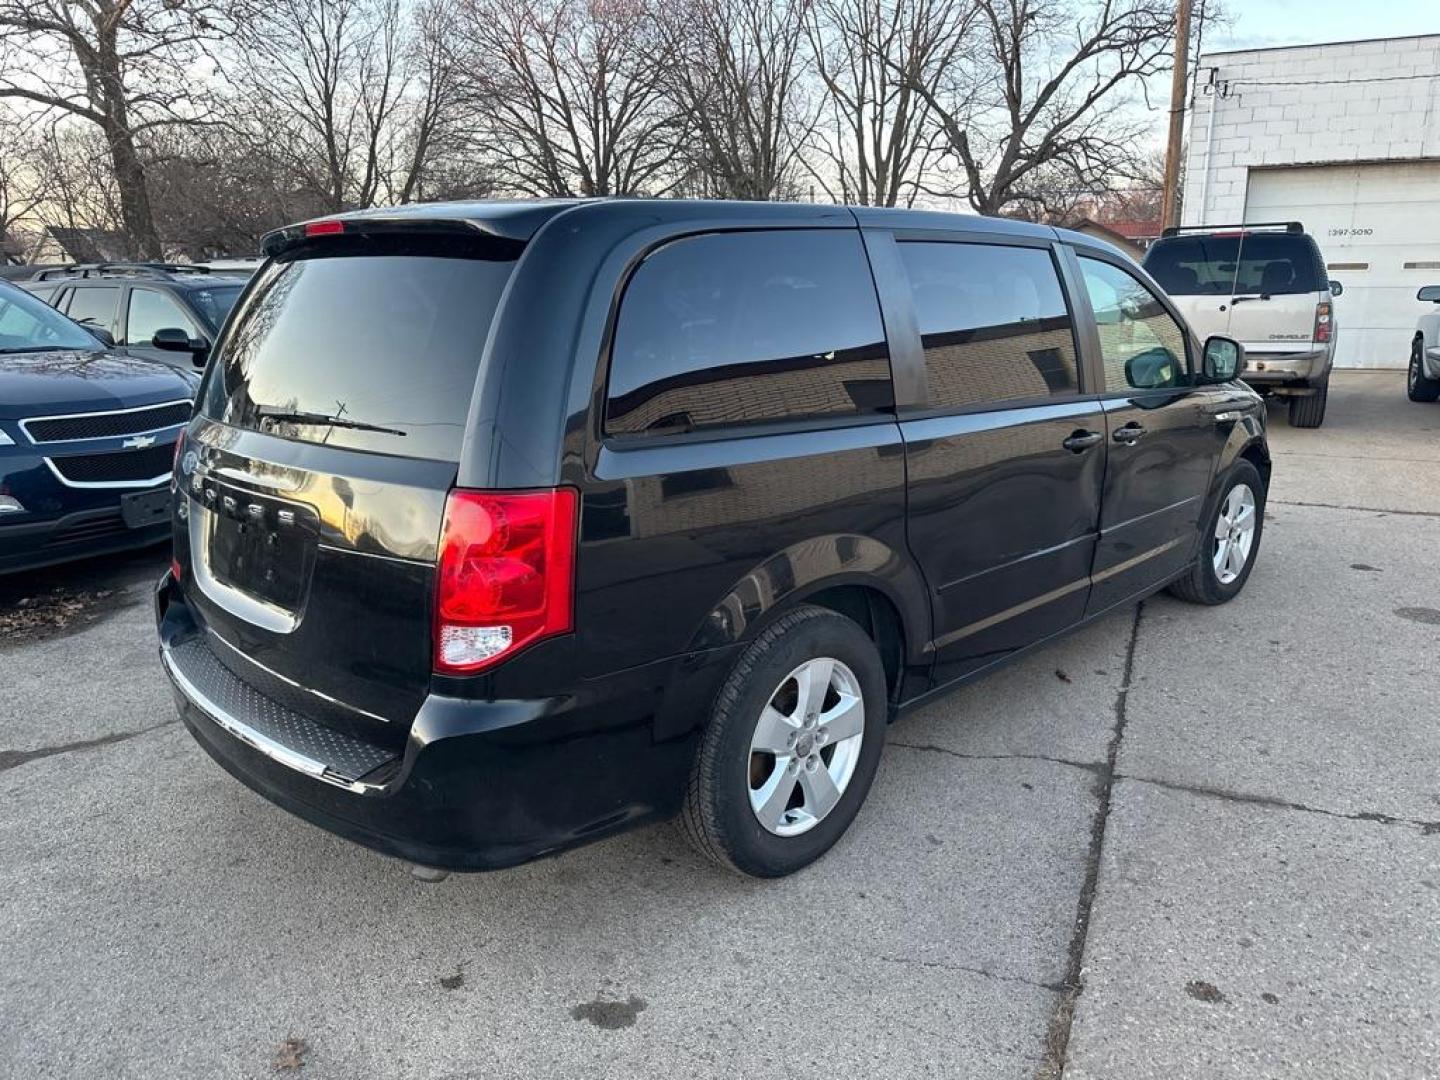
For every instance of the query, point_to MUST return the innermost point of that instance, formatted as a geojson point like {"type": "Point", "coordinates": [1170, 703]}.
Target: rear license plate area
{"type": "Point", "coordinates": [145, 508]}
{"type": "Point", "coordinates": [262, 546]}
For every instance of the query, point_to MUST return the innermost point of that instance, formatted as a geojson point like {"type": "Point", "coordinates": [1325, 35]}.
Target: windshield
{"type": "Point", "coordinates": [28, 324]}
{"type": "Point", "coordinates": [1270, 263]}
{"type": "Point", "coordinates": [374, 348]}
{"type": "Point", "coordinates": [215, 302]}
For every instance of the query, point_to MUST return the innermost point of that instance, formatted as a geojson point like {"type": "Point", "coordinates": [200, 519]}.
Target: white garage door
{"type": "Point", "coordinates": [1378, 227]}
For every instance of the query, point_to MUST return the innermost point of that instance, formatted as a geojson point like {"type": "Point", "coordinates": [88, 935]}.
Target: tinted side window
{"type": "Point", "coordinates": [993, 322]}
{"type": "Point", "coordinates": [1142, 346]}
{"type": "Point", "coordinates": [95, 306]}
{"type": "Point", "coordinates": [735, 328]}
{"type": "Point", "coordinates": [151, 311]}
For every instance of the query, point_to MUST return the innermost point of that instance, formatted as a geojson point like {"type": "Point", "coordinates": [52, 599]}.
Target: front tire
{"type": "Point", "coordinates": [1229, 542]}
{"type": "Point", "coordinates": [1417, 386]}
{"type": "Point", "coordinates": [792, 746]}
{"type": "Point", "coordinates": [1309, 411]}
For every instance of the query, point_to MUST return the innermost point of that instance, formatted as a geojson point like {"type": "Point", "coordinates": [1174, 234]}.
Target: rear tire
{"type": "Point", "coordinates": [1309, 411]}
{"type": "Point", "coordinates": [735, 789]}
{"type": "Point", "coordinates": [1205, 583]}
{"type": "Point", "coordinates": [1417, 386]}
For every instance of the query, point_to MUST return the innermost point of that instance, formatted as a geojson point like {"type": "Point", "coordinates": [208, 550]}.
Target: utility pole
{"type": "Point", "coordinates": [1169, 213]}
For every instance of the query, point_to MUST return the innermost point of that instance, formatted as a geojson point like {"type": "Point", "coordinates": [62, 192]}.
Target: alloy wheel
{"type": "Point", "coordinates": [1234, 534]}
{"type": "Point", "coordinates": [806, 746]}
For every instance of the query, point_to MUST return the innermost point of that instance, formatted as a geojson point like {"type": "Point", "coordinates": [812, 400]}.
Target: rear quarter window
{"type": "Point", "coordinates": [741, 328]}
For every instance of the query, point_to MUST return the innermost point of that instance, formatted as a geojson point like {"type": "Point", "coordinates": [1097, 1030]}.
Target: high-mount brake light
{"type": "Point", "coordinates": [504, 576]}
{"type": "Point", "coordinates": [324, 228]}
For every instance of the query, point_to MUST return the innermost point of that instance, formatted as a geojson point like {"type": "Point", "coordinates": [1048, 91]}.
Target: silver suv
{"type": "Point", "coordinates": [1265, 286]}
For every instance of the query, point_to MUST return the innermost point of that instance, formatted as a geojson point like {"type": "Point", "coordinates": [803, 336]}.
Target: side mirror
{"type": "Point", "coordinates": [173, 339]}
{"type": "Point", "coordinates": [1151, 369]}
{"type": "Point", "coordinates": [1430, 294]}
{"type": "Point", "coordinates": [1224, 359]}
{"type": "Point", "coordinates": [106, 338]}
{"type": "Point", "coordinates": [1336, 288]}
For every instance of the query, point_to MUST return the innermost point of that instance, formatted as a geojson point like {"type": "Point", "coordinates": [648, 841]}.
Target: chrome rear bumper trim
{"type": "Point", "coordinates": [256, 740]}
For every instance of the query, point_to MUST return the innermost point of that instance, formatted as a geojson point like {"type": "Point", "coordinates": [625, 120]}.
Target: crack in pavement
{"type": "Point", "coordinates": [1350, 457]}
{"type": "Point", "coordinates": [1361, 509]}
{"type": "Point", "coordinates": [10, 759]}
{"type": "Point", "coordinates": [945, 965]}
{"type": "Point", "coordinates": [1427, 828]}
{"type": "Point", "coordinates": [1099, 768]}
{"type": "Point", "coordinates": [1057, 1039]}
{"type": "Point", "coordinates": [1096, 767]}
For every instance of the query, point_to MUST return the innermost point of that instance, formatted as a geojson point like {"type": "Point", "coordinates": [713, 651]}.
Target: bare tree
{"type": "Point", "coordinates": [882, 63]}
{"type": "Point", "coordinates": [737, 74]}
{"type": "Point", "coordinates": [25, 182]}
{"type": "Point", "coordinates": [318, 86]}
{"type": "Point", "coordinates": [567, 97]}
{"type": "Point", "coordinates": [84, 193]}
{"type": "Point", "coordinates": [1028, 142]}
{"type": "Point", "coordinates": [430, 113]}
{"type": "Point", "coordinates": [216, 193]}
{"type": "Point", "coordinates": [124, 66]}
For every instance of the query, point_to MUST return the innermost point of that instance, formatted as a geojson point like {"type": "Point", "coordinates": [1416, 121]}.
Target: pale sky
{"type": "Point", "coordinates": [1256, 24]}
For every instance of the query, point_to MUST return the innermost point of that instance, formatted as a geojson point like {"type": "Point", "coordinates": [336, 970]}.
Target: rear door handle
{"type": "Point", "coordinates": [1129, 434]}
{"type": "Point", "coordinates": [1081, 441]}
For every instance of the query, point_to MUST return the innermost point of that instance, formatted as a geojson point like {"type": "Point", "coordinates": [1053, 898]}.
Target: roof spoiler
{"type": "Point", "coordinates": [1288, 226]}
{"type": "Point", "coordinates": [369, 224]}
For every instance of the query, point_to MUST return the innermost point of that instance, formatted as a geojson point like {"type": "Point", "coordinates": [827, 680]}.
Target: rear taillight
{"type": "Point", "coordinates": [504, 575]}
{"type": "Point", "coordinates": [1322, 322]}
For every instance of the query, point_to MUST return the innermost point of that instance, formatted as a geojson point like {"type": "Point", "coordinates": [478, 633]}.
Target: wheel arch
{"type": "Point", "coordinates": [857, 576]}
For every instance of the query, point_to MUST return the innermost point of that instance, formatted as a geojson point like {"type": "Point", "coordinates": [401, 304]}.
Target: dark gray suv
{"type": "Point", "coordinates": [133, 302]}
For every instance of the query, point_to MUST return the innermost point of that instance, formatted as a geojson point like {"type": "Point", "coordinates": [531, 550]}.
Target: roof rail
{"type": "Point", "coordinates": [136, 269]}
{"type": "Point", "coordinates": [1247, 226]}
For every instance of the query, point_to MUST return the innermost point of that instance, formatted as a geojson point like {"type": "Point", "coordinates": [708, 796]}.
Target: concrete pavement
{"type": "Point", "coordinates": [1108, 859]}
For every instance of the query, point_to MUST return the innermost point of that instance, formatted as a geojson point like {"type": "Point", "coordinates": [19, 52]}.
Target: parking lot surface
{"type": "Point", "coordinates": [1185, 842]}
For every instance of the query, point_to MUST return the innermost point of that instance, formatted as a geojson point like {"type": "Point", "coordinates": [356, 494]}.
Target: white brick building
{"type": "Point", "coordinates": [1346, 139]}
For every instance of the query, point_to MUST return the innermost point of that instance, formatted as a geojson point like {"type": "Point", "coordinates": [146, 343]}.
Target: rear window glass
{"type": "Point", "coordinates": [738, 328]}
{"type": "Point", "coordinates": [375, 350]}
{"type": "Point", "coordinates": [1276, 263]}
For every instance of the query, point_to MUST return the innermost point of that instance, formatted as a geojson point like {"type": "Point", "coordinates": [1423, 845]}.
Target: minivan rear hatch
{"type": "Point", "coordinates": [1260, 288]}
{"type": "Point", "coordinates": [330, 425]}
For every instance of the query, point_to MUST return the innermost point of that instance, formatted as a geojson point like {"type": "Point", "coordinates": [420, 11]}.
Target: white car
{"type": "Point", "coordinates": [1422, 383]}
{"type": "Point", "coordinates": [1265, 286]}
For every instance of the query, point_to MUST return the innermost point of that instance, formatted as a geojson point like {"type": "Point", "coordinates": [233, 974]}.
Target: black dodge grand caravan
{"type": "Point", "coordinates": [503, 527]}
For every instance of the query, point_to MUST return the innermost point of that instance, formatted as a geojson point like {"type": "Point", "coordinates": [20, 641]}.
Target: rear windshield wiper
{"type": "Point", "coordinates": [327, 421]}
